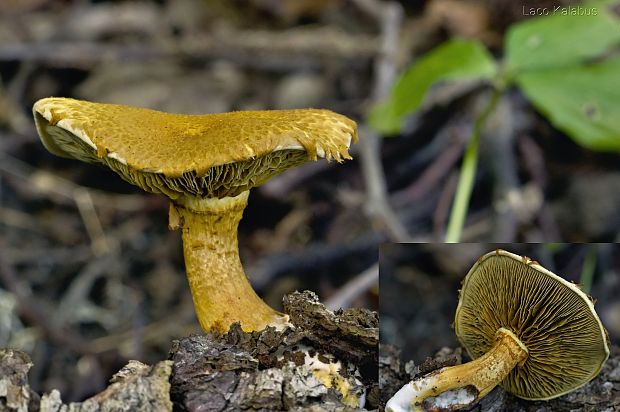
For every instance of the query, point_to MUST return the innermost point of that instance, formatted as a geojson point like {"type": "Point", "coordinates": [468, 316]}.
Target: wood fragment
{"type": "Point", "coordinates": [270, 370]}
{"type": "Point", "coordinates": [327, 362]}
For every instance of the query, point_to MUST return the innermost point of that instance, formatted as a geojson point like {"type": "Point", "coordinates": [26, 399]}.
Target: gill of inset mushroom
{"type": "Point", "coordinates": [526, 328]}
{"type": "Point", "coordinates": [206, 165]}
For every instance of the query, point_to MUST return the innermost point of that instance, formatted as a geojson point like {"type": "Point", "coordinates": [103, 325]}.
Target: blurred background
{"type": "Point", "coordinates": [90, 276]}
{"type": "Point", "coordinates": [420, 282]}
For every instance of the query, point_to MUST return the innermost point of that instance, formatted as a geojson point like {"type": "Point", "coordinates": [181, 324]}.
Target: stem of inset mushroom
{"type": "Point", "coordinates": [220, 289]}
{"type": "Point", "coordinates": [459, 386]}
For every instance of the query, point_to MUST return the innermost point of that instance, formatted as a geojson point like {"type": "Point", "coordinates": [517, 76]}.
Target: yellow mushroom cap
{"type": "Point", "coordinates": [213, 155]}
{"type": "Point", "coordinates": [566, 342]}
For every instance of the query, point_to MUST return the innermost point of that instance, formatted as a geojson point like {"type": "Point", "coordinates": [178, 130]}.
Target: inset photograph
{"type": "Point", "coordinates": [482, 327]}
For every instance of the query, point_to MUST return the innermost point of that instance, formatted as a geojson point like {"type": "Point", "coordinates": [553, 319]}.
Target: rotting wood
{"type": "Point", "coordinates": [136, 387]}
{"type": "Point", "coordinates": [268, 370]}
{"type": "Point", "coordinates": [327, 362]}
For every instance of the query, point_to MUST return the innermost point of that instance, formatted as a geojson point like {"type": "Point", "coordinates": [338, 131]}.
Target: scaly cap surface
{"type": "Point", "coordinates": [213, 155]}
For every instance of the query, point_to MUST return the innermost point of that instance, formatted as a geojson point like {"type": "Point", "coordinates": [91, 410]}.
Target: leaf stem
{"type": "Point", "coordinates": [468, 172]}
{"type": "Point", "coordinates": [587, 270]}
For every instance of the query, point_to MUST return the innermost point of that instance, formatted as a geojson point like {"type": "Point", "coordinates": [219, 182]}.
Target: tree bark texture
{"type": "Point", "coordinates": [327, 362]}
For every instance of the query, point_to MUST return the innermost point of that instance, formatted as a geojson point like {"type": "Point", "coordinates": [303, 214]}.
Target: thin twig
{"type": "Point", "coordinates": [49, 255]}
{"type": "Point", "coordinates": [443, 206]}
{"type": "Point", "coordinates": [17, 218]}
{"type": "Point", "coordinates": [77, 290]}
{"type": "Point", "coordinates": [314, 256]}
{"type": "Point", "coordinates": [50, 183]}
{"type": "Point", "coordinates": [353, 288]}
{"type": "Point", "coordinates": [390, 15]}
{"type": "Point", "coordinates": [13, 97]}
{"type": "Point", "coordinates": [432, 175]}
{"type": "Point", "coordinates": [377, 205]}
{"type": "Point", "coordinates": [268, 50]}
{"type": "Point", "coordinates": [98, 240]}
{"type": "Point", "coordinates": [501, 153]}
{"type": "Point", "coordinates": [282, 184]}
{"type": "Point", "coordinates": [81, 196]}
{"type": "Point", "coordinates": [534, 161]}
{"type": "Point", "coordinates": [177, 324]}
{"type": "Point", "coordinates": [30, 310]}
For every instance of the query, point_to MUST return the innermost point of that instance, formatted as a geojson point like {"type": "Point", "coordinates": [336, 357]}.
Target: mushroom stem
{"type": "Point", "coordinates": [220, 289]}
{"type": "Point", "coordinates": [459, 386]}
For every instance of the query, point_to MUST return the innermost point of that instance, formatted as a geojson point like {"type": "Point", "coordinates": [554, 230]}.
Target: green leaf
{"type": "Point", "coordinates": [454, 60]}
{"type": "Point", "coordinates": [583, 101]}
{"type": "Point", "coordinates": [562, 39]}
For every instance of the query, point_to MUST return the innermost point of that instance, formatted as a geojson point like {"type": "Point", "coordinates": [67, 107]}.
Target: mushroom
{"type": "Point", "coordinates": [205, 165]}
{"type": "Point", "coordinates": [526, 328]}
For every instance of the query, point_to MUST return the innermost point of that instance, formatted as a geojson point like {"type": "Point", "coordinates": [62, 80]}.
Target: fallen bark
{"type": "Point", "coordinates": [601, 394]}
{"type": "Point", "coordinates": [327, 362]}
{"type": "Point", "coordinates": [136, 387]}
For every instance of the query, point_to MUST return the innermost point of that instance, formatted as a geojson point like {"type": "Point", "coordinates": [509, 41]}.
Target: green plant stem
{"type": "Point", "coordinates": [587, 270]}
{"type": "Point", "coordinates": [468, 172]}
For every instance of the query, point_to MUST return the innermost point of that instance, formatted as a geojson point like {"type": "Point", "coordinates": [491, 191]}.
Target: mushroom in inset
{"type": "Point", "coordinates": [206, 165]}
{"type": "Point", "coordinates": [526, 328]}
